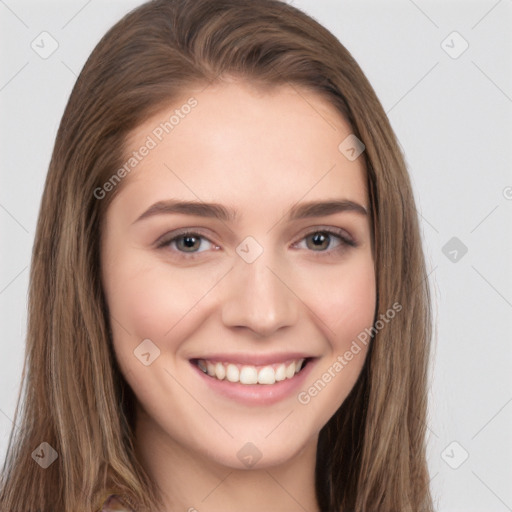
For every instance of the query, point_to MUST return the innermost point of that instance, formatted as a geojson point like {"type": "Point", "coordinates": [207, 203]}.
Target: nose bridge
{"type": "Point", "coordinates": [256, 294]}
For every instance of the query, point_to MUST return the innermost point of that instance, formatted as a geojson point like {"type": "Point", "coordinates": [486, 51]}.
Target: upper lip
{"type": "Point", "coordinates": [254, 359]}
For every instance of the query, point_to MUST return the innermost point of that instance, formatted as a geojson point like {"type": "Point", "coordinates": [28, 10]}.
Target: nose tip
{"type": "Point", "coordinates": [257, 298]}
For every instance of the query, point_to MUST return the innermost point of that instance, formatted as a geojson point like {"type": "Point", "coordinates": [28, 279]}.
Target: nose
{"type": "Point", "coordinates": [258, 297]}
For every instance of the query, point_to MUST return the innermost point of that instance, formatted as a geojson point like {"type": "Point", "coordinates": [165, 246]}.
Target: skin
{"type": "Point", "coordinates": [260, 152]}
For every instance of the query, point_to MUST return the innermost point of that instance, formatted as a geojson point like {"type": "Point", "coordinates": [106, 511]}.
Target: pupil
{"type": "Point", "coordinates": [189, 241]}
{"type": "Point", "coordinates": [320, 238]}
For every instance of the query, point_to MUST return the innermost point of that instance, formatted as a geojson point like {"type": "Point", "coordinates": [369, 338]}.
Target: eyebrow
{"type": "Point", "coordinates": [218, 211]}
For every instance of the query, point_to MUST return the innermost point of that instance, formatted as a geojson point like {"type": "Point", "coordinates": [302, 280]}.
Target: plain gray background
{"type": "Point", "coordinates": [451, 110]}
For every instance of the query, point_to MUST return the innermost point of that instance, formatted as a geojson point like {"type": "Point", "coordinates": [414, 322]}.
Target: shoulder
{"type": "Point", "coordinates": [114, 503]}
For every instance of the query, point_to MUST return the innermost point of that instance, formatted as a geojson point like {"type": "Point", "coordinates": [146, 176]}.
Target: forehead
{"type": "Point", "coordinates": [237, 144]}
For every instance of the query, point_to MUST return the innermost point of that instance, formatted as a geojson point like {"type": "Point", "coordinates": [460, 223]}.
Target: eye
{"type": "Point", "coordinates": [189, 243]}
{"type": "Point", "coordinates": [186, 242]}
{"type": "Point", "coordinates": [321, 240]}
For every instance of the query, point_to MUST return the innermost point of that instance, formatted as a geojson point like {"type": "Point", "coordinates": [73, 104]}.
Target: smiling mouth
{"type": "Point", "coordinates": [251, 374]}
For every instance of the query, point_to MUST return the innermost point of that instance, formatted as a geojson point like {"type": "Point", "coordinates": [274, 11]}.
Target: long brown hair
{"type": "Point", "coordinates": [371, 454]}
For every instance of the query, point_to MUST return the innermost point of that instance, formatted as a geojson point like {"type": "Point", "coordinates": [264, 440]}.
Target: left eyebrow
{"type": "Point", "coordinates": [218, 211]}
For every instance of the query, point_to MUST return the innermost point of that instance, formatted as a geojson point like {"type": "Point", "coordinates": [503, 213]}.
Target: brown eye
{"type": "Point", "coordinates": [328, 241]}
{"type": "Point", "coordinates": [190, 242]}
{"type": "Point", "coordinates": [319, 240]}
{"type": "Point", "coordinates": [186, 243]}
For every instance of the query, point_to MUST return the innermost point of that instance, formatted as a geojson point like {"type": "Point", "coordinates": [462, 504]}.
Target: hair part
{"type": "Point", "coordinates": [73, 395]}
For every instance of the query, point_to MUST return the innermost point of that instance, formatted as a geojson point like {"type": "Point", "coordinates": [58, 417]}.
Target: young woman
{"type": "Point", "coordinates": [228, 303]}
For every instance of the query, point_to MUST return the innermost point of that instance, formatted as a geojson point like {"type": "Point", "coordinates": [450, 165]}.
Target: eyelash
{"type": "Point", "coordinates": [345, 241]}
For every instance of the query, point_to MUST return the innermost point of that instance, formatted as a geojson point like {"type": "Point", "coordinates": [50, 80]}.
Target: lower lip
{"type": "Point", "coordinates": [257, 394]}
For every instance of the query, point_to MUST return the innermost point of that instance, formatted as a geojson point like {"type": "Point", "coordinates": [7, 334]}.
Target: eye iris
{"type": "Point", "coordinates": [189, 242]}
{"type": "Point", "coordinates": [319, 239]}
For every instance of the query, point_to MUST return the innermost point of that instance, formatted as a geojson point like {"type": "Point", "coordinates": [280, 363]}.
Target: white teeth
{"type": "Point", "coordinates": [220, 371]}
{"type": "Point", "coordinates": [290, 370]}
{"type": "Point", "coordinates": [210, 368]}
{"type": "Point", "coordinates": [280, 372]}
{"type": "Point", "coordinates": [266, 375]}
{"type": "Point", "coordinates": [232, 373]}
{"type": "Point", "coordinates": [249, 374]}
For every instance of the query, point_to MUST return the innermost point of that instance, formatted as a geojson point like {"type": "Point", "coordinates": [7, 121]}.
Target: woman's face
{"type": "Point", "coordinates": [265, 282]}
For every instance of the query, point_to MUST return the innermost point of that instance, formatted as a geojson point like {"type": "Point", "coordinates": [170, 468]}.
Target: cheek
{"type": "Point", "coordinates": [346, 306]}
{"type": "Point", "coordinates": [346, 302]}
{"type": "Point", "coordinates": [147, 300]}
